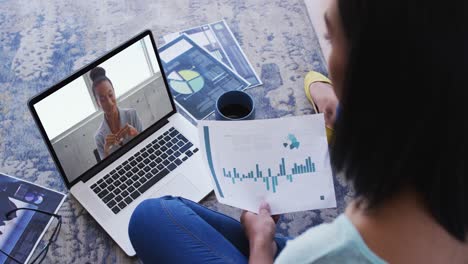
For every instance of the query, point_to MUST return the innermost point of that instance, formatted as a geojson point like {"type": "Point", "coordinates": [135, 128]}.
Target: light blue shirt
{"type": "Point", "coordinates": [337, 242]}
{"type": "Point", "coordinates": [127, 116]}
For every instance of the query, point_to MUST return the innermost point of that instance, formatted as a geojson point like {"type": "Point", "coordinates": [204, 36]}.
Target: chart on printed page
{"type": "Point", "coordinates": [219, 40]}
{"type": "Point", "coordinates": [195, 77]}
{"type": "Point", "coordinates": [282, 161]}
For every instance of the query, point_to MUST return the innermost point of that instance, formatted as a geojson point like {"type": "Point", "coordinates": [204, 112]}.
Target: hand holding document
{"type": "Point", "coordinates": [284, 162]}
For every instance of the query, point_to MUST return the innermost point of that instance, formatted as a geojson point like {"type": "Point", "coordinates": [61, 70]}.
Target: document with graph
{"type": "Point", "coordinates": [195, 77]}
{"type": "Point", "coordinates": [218, 39]}
{"type": "Point", "coordinates": [284, 162]}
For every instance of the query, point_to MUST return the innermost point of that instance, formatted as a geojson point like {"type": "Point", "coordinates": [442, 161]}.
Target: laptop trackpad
{"type": "Point", "coordinates": [178, 186]}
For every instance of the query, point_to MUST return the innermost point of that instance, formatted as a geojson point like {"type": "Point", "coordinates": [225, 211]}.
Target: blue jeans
{"type": "Point", "coordinates": [176, 230]}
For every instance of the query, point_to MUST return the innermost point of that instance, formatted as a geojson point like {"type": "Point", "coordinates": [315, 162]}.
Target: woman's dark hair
{"type": "Point", "coordinates": [98, 75]}
{"type": "Point", "coordinates": [402, 122]}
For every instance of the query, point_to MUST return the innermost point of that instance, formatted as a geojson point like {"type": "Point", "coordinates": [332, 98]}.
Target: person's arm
{"type": "Point", "coordinates": [260, 230]}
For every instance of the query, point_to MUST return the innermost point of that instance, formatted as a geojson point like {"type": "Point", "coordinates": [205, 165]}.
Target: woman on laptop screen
{"type": "Point", "coordinates": [119, 125]}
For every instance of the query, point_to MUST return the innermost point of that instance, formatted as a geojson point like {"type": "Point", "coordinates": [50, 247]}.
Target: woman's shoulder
{"type": "Point", "coordinates": [334, 242]}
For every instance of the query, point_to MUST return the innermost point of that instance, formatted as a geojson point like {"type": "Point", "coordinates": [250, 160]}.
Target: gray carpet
{"type": "Point", "coordinates": [44, 41]}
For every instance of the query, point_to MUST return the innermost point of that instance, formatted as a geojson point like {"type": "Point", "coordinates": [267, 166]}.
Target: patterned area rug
{"type": "Point", "coordinates": [44, 41]}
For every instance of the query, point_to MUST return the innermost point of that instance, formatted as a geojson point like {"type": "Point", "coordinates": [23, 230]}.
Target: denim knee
{"type": "Point", "coordinates": [147, 210]}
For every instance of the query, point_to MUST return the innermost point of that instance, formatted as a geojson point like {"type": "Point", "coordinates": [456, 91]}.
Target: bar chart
{"type": "Point", "coordinates": [269, 178]}
{"type": "Point", "coordinates": [284, 162]}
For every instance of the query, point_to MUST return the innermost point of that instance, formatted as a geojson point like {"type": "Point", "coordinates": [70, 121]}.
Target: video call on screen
{"type": "Point", "coordinates": [93, 116]}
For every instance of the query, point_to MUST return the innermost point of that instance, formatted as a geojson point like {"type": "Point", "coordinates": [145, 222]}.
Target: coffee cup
{"type": "Point", "coordinates": [235, 105]}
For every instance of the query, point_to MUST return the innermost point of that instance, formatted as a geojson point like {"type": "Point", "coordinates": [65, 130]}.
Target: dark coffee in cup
{"type": "Point", "coordinates": [235, 105]}
{"type": "Point", "coordinates": [235, 111]}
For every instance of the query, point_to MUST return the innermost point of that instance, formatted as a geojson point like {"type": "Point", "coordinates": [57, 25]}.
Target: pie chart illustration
{"type": "Point", "coordinates": [186, 81]}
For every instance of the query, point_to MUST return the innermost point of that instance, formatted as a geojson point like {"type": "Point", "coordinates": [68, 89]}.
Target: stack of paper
{"type": "Point", "coordinates": [202, 63]}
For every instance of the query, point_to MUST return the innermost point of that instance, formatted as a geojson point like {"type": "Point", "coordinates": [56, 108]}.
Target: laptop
{"type": "Point", "coordinates": [115, 135]}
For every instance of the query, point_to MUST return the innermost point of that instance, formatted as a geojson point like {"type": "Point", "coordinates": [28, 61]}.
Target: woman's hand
{"type": "Point", "coordinates": [260, 230]}
{"type": "Point", "coordinates": [110, 141]}
{"type": "Point", "coordinates": [127, 130]}
{"type": "Point", "coordinates": [132, 131]}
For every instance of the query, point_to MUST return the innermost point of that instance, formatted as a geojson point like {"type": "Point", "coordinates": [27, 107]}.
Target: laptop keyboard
{"type": "Point", "coordinates": [136, 175]}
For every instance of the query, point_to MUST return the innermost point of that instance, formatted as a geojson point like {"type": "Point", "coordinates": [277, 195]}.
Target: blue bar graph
{"type": "Point", "coordinates": [270, 181]}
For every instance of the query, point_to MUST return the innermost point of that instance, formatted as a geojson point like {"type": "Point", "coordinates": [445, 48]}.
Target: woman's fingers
{"type": "Point", "coordinates": [111, 139]}
{"type": "Point", "coordinates": [123, 132]}
{"type": "Point", "coordinates": [132, 131]}
{"type": "Point", "coordinates": [127, 130]}
{"type": "Point", "coordinates": [264, 209]}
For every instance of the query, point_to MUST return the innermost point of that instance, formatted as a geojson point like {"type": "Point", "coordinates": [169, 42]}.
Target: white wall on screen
{"type": "Point", "coordinates": [150, 48]}
{"type": "Point", "coordinates": [70, 105]}
{"type": "Point", "coordinates": [127, 69]}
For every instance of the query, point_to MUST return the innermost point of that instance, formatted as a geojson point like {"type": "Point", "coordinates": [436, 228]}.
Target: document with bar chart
{"type": "Point", "coordinates": [284, 162]}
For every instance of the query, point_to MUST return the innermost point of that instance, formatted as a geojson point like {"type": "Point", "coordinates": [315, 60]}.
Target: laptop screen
{"type": "Point", "coordinates": [90, 118]}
